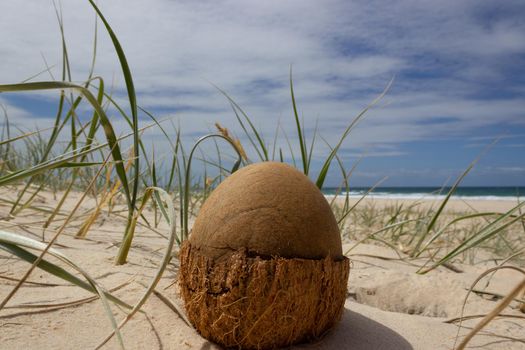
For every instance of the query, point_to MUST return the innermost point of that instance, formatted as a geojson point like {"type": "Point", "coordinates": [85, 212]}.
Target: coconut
{"type": "Point", "coordinates": [263, 267]}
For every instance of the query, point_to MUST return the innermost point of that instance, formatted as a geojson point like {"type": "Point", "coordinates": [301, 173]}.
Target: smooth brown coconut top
{"type": "Point", "coordinates": [271, 209]}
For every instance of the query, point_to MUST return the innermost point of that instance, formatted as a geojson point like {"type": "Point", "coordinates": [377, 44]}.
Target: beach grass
{"type": "Point", "coordinates": [93, 163]}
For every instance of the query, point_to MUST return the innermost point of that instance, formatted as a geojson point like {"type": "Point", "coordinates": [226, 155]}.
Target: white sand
{"type": "Point", "coordinates": [389, 305]}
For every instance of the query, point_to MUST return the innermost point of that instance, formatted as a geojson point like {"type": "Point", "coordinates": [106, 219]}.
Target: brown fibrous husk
{"type": "Point", "coordinates": [253, 302]}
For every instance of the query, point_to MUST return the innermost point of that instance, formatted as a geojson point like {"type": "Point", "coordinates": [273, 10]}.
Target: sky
{"type": "Point", "coordinates": [458, 70]}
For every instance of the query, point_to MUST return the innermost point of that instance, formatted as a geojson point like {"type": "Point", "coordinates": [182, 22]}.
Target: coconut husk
{"type": "Point", "coordinates": [253, 302]}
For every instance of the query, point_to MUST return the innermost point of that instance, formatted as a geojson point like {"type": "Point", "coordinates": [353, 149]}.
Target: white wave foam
{"type": "Point", "coordinates": [416, 196]}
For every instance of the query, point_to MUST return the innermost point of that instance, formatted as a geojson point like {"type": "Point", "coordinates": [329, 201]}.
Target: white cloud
{"type": "Point", "coordinates": [343, 53]}
{"type": "Point", "coordinates": [17, 117]}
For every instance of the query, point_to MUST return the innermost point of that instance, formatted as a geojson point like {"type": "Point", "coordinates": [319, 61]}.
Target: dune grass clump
{"type": "Point", "coordinates": [263, 267]}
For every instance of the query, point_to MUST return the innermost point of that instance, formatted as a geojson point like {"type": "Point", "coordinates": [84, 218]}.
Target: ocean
{"type": "Point", "coordinates": [475, 193]}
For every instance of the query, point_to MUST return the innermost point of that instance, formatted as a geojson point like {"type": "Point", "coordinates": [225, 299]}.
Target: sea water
{"type": "Point", "coordinates": [473, 193]}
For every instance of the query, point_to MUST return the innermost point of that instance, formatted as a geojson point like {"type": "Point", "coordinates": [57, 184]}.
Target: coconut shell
{"type": "Point", "coordinates": [270, 209]}
{"type": "Point", "coordinates": [263, 267]}
{"type": "Point", "coordinates": [248, 302]}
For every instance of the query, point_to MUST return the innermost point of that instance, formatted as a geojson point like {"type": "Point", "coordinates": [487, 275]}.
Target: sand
{"type": "Point", "coordinates": [389, 306]}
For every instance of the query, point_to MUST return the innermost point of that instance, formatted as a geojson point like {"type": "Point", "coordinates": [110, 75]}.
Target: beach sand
{"type": "Point", "coordinates": [389, 306]}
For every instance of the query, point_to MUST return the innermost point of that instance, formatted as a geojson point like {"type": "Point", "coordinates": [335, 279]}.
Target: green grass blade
{"type": "Point", "coordinates": [28, 134]}
{"type": "Point", "coordinates": [383, 229]}
{"type": "Point", "coordinates": [344, 183]}
{"type": "Point", "coordinates": [219, 160]}
{"type": "Point", "coordinates": [326, 166]}
{"type": "Point", "coordinates": [289, 148]}
{"type": "Point", "coordinates": [15, 241]}
{"type": "Point", "coordinates": [371, 189]}
{"type": "Point", "coordinates": [276, 136]}
{"type": "Point", "coordinates": [484, 234]}
{"type": "Point", "coordinates": [440, 209]}
{"type": "Point", "coordinates": [55, 270]}
{"type": "Point", "coordinates": [40, 168]}
{"type": "Point", "coordinates": [58, 125]}
{"type": "Point", "coordinates": [310, 153]}
{"type": "Point", "coordinates": [185, 211]}
{"type": "Point", "coordinates": [250, 139]}
{"type": "Point", "coordinates": [433, 221]}
{"type": "Point", "coordinates": [171, 218]}
{"type": "Point", "coordinates": [78, 164]}
{"type": "Point", "coordinates": [175, 162]}
{"type": "Point", "coordinates": [451, 223]}
{"type": "Point", "coordinates": [132, 101]}
{"type": "Point", "coordinates": [302, 141]}
{"type": "Point", "coordinates": [108, 128]}
{"type": "Point", "coordinates": [90, 137]}
{"type": "Point", "coordinates": [51, 164]}
{"type": "Point", "coordinates": [263, 152]}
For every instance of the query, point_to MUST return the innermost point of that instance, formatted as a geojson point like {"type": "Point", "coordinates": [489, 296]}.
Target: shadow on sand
{"type": "Point", "coordinates": [358, 332]}
{"type": "Point", "coordinates": [355, 332]}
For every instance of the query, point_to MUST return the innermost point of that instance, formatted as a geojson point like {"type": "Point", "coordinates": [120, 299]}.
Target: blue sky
{"type": "Point", "coordinates": [459, 69]}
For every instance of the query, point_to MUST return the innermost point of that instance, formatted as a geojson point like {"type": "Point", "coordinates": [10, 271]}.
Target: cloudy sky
{"type": "Point", "coordinates": [458, 69]}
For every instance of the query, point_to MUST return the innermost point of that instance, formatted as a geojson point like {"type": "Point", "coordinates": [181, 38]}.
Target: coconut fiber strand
{"type": "Point", "coordinates": [252, 302]}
